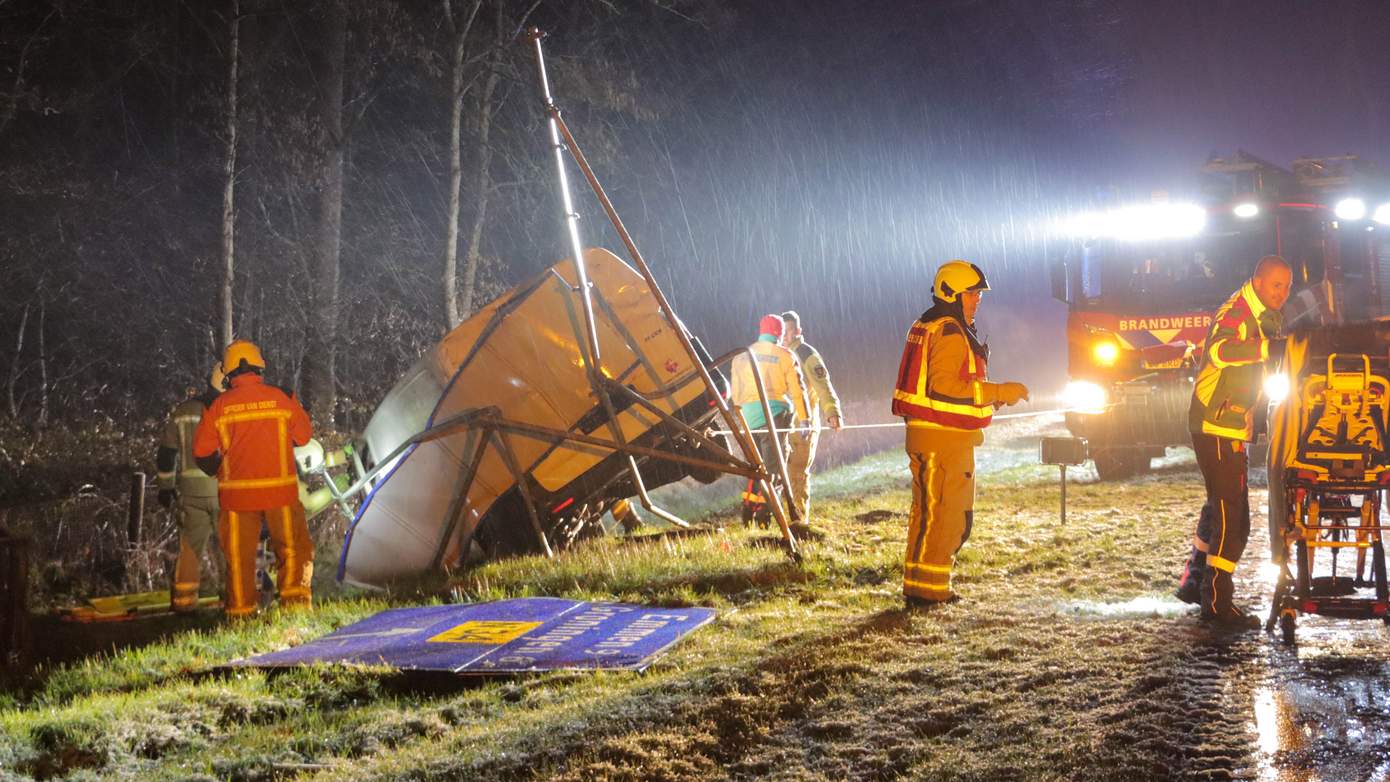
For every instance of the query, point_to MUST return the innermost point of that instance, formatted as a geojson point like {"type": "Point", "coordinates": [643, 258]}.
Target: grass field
{"type": "Point", "coordinates": [1066, 659]}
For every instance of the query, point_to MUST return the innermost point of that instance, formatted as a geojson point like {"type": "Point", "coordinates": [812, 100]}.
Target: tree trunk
{"type": "Point", "coordinates": [451, 239]}
{"type": "Point", "coordinates": [14, 365]}
{"type": "Point", "coordinates": [229, 172]}
{"type": "Point", "coordinates": [322, 380]}
{"type": "Point", "coordinates": [483, 181]}
{"type": "Point", "coordinates": [43, 366]}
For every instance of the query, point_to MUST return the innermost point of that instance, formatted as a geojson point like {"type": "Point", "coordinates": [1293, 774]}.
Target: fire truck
{"type": "Point", "coordinates": [1141, 283]}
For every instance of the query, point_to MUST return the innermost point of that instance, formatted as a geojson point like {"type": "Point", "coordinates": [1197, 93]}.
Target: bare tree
{"type": "Point", "coordinates": [14, 364]}
{"type": "Point", "coordinates": [229, 174]}
{"type": "Point", "coordinates": [458, 87]}
{"type": "Point", "coordinates": [322, 376]}
{"type": "Point", "coordinates": [43, 362]}
{"type": "Point", "coordinates": [482, 182]}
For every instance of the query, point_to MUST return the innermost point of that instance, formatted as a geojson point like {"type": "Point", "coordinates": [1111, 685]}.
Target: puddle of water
{"type": "Point", "coordinates": [1278, 732]}
{"type": "Point", "coordinates": [1138, 608]}
{"type": "Point", "coordinates": [1323, 712]}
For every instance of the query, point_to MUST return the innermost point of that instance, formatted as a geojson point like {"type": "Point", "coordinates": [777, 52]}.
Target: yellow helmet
{"type": "Point", "coordinates": [956, 277]}
{"type": "Point", "coordinates": [218, 378]}
{"type": "Point", "coordinates": [242, 353]}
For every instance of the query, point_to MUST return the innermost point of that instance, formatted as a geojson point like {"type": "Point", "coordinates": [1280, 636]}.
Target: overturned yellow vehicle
{"type": "Point", "coordinates": [495, 441]}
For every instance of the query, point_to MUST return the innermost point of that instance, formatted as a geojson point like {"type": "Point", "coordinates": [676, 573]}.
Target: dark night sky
{"type": "Point", "coordinates": [821, 156]}
{"type": "Point", "coordinates": [834, 153]}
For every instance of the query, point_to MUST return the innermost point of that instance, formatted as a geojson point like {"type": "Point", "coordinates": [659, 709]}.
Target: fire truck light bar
{"type": "Point", "coordinates": [1138, 223]}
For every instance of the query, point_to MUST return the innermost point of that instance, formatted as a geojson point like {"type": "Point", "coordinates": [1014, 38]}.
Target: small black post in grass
{"type": "Point", "coordinates": [1062, 451]}
{"type": "Point", "coordinates": [136, 511]}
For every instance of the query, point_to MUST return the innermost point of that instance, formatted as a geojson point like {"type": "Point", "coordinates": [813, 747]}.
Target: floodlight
{"type": "Point", "coordinates": [1084, 396]}
{"type": "Point", "coordinates": [1350, 209]}
{"type": "Point", "coordinates": [1276, 387]}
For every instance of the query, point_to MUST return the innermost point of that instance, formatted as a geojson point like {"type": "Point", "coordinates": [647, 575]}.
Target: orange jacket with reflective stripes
{"type": "Point", "coordinates": [255, 427]}
{"type": "Point", "coordinates": [941, 381]}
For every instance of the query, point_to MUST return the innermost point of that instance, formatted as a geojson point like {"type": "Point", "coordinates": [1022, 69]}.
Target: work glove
{"type": "Point", "coordinates": [834, 422]}
{"type": "Point", "coordinates": [167, 497]}
{"type": "Point", "coordinates": [1011, 393]}
{"type": "Point", "coordinates": [1276, 350]}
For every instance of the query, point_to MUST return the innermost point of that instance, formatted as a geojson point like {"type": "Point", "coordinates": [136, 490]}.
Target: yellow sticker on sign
{"type": "Point", "coordinates": [484, 632]}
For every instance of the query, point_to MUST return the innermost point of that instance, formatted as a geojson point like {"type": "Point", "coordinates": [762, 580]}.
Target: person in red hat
{"type": "Point", "coordinates": [786, 395]}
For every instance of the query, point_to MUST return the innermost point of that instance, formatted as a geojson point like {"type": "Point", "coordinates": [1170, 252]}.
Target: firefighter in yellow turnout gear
{"type": "Point", "coordinates": [786, 394]}
{"type": "Point", "coordinates": [188, 491]}
{"type": "Point", "coordinates": [942, 394]}
{"type": "Point", "coordinates": [823, 401]}
{"type": "Point", "coordinates": [1243, 340]}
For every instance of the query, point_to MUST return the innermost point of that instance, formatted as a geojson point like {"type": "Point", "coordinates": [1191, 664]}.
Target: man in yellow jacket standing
{"type": "Point", "coordinates": [943, 396]}
{"type": "Point", "coordinates": [786, 395]}
{"type": "Point", "coordinates": [823, 402]}
{"type": "Point", "coordinates": [188, 491]}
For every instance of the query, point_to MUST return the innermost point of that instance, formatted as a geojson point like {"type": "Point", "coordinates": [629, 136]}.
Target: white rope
{"type": "Point", "coordinates": [900, 424]}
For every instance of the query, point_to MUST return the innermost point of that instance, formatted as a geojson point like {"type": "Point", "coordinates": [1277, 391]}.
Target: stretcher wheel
{"type": "Point", "coordinates": [1287, 624]}
{"type": "Point", "coordinates": [1304, 585]}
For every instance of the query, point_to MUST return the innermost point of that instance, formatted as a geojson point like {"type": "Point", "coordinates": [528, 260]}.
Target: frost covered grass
{"type": "Point", "coordinates": [809, 672]}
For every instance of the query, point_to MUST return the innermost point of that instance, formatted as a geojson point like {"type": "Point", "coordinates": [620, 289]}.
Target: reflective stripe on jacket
{"type": "Point", "coordinates": [941, 381]}
{"type": "Point", "coordinates": [781, 376]}
{"type": "Point", "coordinates": [1232, 369]}
{"type": "Point", "coordinates": [255, 427]}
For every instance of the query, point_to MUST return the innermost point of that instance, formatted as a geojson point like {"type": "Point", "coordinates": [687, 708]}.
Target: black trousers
{"type": "Point", "coordinates": [1226, 517]}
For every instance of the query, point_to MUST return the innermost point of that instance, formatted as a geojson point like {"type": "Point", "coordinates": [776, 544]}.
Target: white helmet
{"type": "Point", "coordinates": [309, 457]}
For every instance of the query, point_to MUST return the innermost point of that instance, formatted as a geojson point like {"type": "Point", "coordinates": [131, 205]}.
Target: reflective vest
{"type": "Point", "coordinates": [781, 376]}
{"type": "Point", "coordinates": [928, 345]}
{"type": "Point", "coordinates": [1231, 373]}
{"type": "Point", "coordinates": [255, 427]}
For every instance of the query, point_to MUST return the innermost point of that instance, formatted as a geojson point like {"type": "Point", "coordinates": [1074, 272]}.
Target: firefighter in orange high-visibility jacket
{"type": "Point", "coordinates": [943, 396]}
{"type": "Point", "coordinates": [786, 395]}
{"type": "Point", "coordinates": [247, 438]}
{"type": "Point", "coordinates": [188, 492]}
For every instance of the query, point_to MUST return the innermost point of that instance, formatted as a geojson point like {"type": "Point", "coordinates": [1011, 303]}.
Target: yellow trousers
{"type": "Point", "coordinates": [943, 507]}
{"type": "Point", "coordinates": [240, 535]}
{"type": "Point", "coordinates": [800, 455]}
{"type": "Point", "coordinates": [196, 516]}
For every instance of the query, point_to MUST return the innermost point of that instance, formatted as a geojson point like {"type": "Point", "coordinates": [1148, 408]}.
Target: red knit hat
{"type": "Point", "coordinates": [770, 324]}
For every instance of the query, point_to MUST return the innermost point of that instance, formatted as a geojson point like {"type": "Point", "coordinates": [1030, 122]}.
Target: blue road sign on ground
{"type": "Point", "coordinates": [507, 636]}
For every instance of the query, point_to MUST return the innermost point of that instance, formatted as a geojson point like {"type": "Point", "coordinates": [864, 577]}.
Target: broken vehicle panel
{"type": "Point", "coordinates": [453, 494]}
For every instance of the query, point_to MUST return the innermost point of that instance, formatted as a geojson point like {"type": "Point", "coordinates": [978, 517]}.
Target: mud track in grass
{"type": "Point", "coordinates": [1032, 676]}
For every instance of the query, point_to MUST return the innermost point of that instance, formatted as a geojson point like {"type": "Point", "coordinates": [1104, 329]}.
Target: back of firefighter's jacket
{"type": "Point", "coordinates": [255, 427]}
{"type": "Point", "coordinates": [177, 440]}
{"type": "Point", "coordinates": [781, 376]}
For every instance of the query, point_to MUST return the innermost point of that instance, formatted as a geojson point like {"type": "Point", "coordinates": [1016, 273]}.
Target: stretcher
{"type": "Point", "coordinates": [123, 608]}
{"type": "Point", "coordinates": [1329, 466]}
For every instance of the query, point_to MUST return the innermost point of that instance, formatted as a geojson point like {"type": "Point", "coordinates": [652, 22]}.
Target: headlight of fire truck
{"type": "Point", "coordinates": [1084, 396]}
{"type": "Point", "coordinates": [1276, 387]}
{"type": "Point", "coordinates": [1105, 353]}
{"type": "Point", "coordinates": [1350, 209]}
{"type": "Point", "coordinates": [1382, 214]}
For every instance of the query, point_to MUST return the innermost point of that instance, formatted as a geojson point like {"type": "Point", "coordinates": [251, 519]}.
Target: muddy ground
{"type": "Point", "coordinates": [1066, 659]}
{"type": "Point", "coordinates": [1155, 693]}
